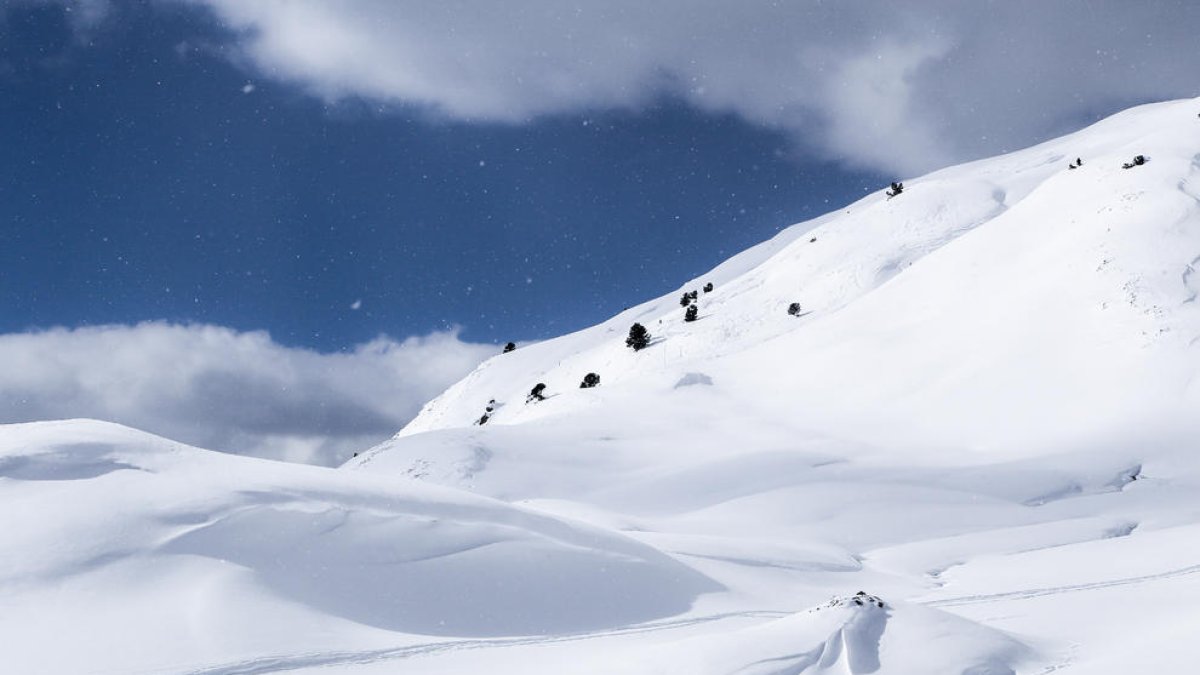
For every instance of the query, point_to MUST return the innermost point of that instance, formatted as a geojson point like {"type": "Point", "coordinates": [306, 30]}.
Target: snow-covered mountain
{"type": "Point", "coordinates": [976, 450]}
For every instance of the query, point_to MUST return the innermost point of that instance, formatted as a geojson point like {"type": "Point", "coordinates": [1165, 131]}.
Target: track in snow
{"type": "Point", "coordinates": [274, 664]}
{"type": "Point", "coordinates": [1057, 590]}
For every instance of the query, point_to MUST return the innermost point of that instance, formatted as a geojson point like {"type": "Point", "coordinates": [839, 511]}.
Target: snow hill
{"type": "Point", "coordinates": [973, 452]}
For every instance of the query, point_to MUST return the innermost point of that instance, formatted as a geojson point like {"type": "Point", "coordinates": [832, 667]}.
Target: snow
{"type": "Point", "coordinates": [126, 536]}
{"type": "Point", "coordinates": [978, 439]}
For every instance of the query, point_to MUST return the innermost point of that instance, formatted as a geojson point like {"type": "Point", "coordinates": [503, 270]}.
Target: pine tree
{"type": "Point", "coordinates": [691, 313]}
{"type": "Point", "coordinates": [794, 309]}
{"type": "Point", "coordinates": [509, 347]}
{"type": "Point", "coordinates": [639, 337]}
{"type": "Point", "coordinates": [896, 189]}
{"type": "Point", "coordinates": [590, 380]}
{"type": "Point", "coordinates": [1138, 160]}
{"type": "Point", "coordinates": [535, 394]}
{"type": "Point", "coordinates": [708, 287]}
{"type": "Point", "coordinates": [685, 300]}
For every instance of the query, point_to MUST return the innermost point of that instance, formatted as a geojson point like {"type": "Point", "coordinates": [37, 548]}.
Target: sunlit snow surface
{"type": "Point", "coordinates": [986, 419]}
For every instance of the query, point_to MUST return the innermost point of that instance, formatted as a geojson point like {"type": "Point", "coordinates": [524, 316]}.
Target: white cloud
{"type": "Point", "coordinates": [227, 390]}
{"type": "Point", "coordinates": [899, 87]}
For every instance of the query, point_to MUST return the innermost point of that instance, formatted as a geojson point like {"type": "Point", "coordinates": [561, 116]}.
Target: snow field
{"type": "Point", "coordinates": [984, 417]}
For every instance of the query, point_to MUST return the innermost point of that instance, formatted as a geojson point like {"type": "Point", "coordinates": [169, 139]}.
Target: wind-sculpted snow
{"type": "Point", "coordinates": [201, 536]}
{"type": "Point", "coordinates": [437, 574]}
{"type": "Point", "coordinates": [983, 417]}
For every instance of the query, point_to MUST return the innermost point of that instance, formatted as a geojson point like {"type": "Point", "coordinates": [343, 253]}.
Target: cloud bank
{"type": "Point", "coordinates": [227, 390]}
{"type": "Point", "coordinates": [896, 87]}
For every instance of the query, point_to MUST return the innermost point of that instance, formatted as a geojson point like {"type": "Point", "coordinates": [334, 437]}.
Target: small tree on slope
{"type": "Point", "coordinates": [639, 337]}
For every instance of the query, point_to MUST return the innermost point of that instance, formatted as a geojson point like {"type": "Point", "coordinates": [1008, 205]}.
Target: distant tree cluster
{"type": "Point", "coordinates": [895, 189]}
{"type": "Point", "coordinates": [639, 337]}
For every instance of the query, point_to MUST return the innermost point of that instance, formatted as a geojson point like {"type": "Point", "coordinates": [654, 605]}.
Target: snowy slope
{"type": "Point", "coordinates": [997, 364]}
{"type": "Point", "coordinates": [979, 439]}
{"type": "Point", "coordinates": [976, 284]}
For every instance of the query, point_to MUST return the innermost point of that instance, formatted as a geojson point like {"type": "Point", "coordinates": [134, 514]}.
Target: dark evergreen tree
{"type": "Point", "coordinates": [590, 380]}
{"type": "Point", "coordinates": [509, 347]}
{"type": "Point", "coordinates": [896, 189]}
{"type": "Point", "coordinates": [685, 300]}
{"type": "Point", "coordinates": [794, 309]}
{"type": "Point", "coordinates": [483, 420]}
{"type": "Point", "coordinates": [694, 295]}
{"type": "Point", "coordinates": [639, 337]}
{"type": "Point", "coordinates": [535, 394]}
{"type": "Point", "coordinates": [708, 287]}
{"type": "Point", "coordinates": [1137, 161]}
{"type": "Point", "coordinates": [691, 313]}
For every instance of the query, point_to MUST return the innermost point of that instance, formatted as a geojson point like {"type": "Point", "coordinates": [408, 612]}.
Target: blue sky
{"type": "Point", "coordinates": [278, 227]}
{"type": "Point", "coordinates": [145, 178]}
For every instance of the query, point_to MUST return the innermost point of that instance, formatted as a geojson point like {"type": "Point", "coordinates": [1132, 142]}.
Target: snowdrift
{"type": "Point", "coordinates": [117, 537]}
